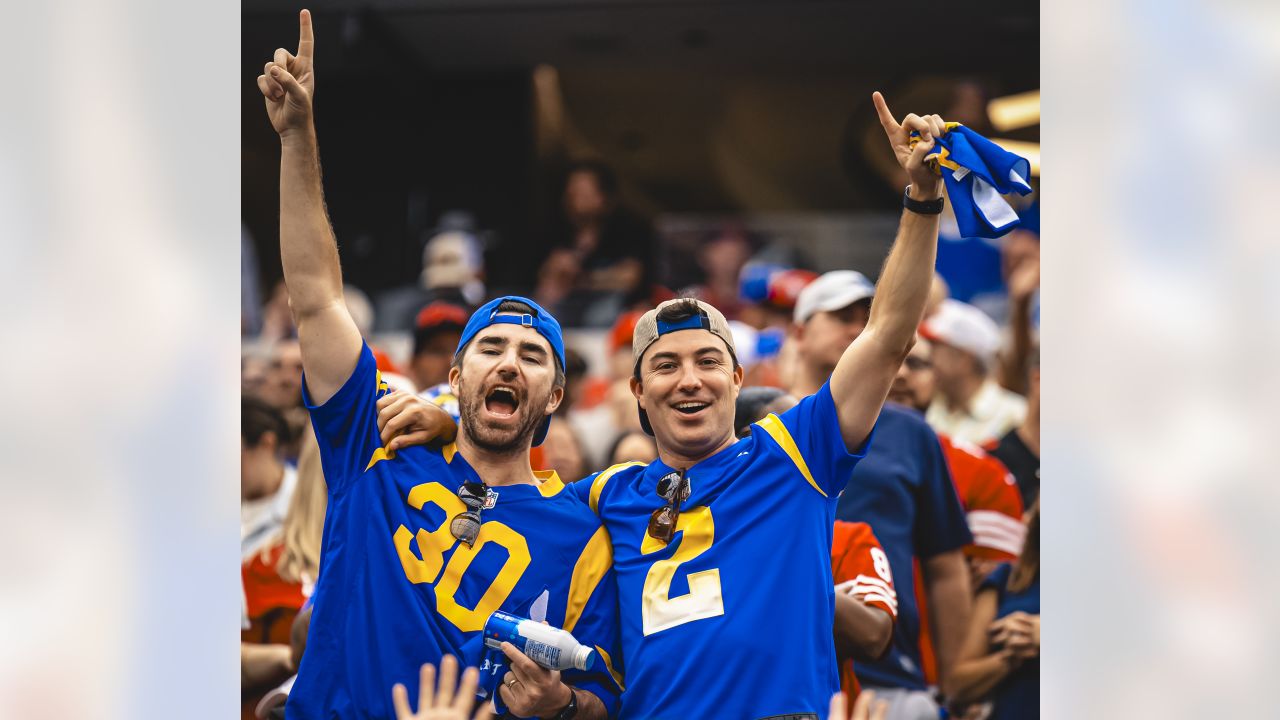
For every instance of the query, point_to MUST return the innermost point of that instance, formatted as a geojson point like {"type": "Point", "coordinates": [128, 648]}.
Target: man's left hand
{"type": "Point", "coordinates": [530, 690]}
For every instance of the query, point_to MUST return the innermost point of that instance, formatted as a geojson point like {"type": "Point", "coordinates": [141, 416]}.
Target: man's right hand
{"type": "Point", "coordinates": [288, 83]}
{"type": "Point", "coordinates": [405, 419]}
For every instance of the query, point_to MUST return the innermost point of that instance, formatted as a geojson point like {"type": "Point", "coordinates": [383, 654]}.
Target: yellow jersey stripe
{"type": "Point", "coordinates": [608, 663]}
{"type": "Point", "coordinates": [449, 451]}
{"type": "Point", "coordinates": [782, 436]}
{"type": "Point", "coordinates": [597, 486]}
{"type": "Point", "coordinates": [593, 563]}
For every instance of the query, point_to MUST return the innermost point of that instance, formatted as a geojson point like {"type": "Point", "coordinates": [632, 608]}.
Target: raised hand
{"type": "Point", "coordinates": [924, 180]}
{"type": "Point", "coordinates": [288, 82]}
{"type": "Point", "coordinates": [443, 704]}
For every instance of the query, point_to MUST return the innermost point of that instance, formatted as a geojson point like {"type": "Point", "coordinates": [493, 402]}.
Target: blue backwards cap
{"type": "Point", "coordinates": [540, 320]}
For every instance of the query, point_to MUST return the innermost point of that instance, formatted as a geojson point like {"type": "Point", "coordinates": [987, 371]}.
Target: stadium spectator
{"type": "Point", "coordinates": [1022, 275]}
{"type": "Point", "coordinates": [970, 405]}
{"type": "Point", "coordinates": [721, 257]}
{"type": "Point", "coordinates": [255, 371]}
{"type": "Point", "coordinates": [575, 380]}
{"type": "Point", "coordinates": [987, 490]}
{"type": "Point", "coordinates": [617, 413]}
{"type": "Point", "coordinates": [269, 604]}
{"type": "Point", "coordinates": [283, 386]}
{"type": "Point", "coordinates": [633, 446]}
{"type": "Point", "coordinates": [266, 482]}
{"type": "Point", "coordinates": [601, 257]}
{"type": "Point", "coordinates": [903, 490]}
{"type": "Point", "coordinates": [1019, 449]}
{"type": "Point", "coordinates": [435, 338]}
{"type": "Point", "coordinates": [686, 380]}
{"type": "Point", "coordinates": [508, 376]}
{"type": "Point", "coordinates": [562, 452]}
{"type": "Point", "coordinates": [1001, 656]}
{"type": "Point", "coordinates": [277, 320]}
{"type": "Point", "coordinates": [452, 272]}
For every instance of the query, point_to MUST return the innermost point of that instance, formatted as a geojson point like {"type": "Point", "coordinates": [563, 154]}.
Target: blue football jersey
{"type": "Point", "coordinates": [396, 589]}
{"type": "Point", "coordinates": [904, 491]}
{"type": "Point", "coordinates": [733, 618]}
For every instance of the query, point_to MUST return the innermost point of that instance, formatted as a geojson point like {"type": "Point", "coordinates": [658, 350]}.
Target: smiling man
{"type": "Point", "coordinates": [722, 546]}
{"type": "Point", "coordinates": [423, 544]}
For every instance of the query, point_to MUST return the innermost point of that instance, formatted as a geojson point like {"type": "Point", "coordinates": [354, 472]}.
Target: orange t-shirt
{"type": "Point", "coordinates": [859, 564]}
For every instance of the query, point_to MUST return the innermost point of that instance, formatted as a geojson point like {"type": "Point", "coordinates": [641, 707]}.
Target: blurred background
{"type": "Point", "coordinates": [603, 156]}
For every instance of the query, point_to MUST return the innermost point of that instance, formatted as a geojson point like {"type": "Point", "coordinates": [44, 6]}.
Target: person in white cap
{"type": "Point", "coordinates": [904, 491]}
{"type": "Point", "coordinates": [970, 405]}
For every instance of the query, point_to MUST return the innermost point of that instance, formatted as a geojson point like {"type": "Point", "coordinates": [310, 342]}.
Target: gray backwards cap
{"type": "Point", "coordinates": [650, 328]}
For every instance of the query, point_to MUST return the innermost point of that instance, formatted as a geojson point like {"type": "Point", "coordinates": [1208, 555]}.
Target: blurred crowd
{"type": "Point", "coordinates": [961, 433]}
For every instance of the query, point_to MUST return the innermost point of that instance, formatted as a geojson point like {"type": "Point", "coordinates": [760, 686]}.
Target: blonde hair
{"type": "Point", "coordinates": [304, 521]}
{"type": "Point", "coordinates": [1027, 567]}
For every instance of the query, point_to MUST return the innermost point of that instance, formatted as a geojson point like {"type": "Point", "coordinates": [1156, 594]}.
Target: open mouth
{"type": "Point", "coordinates": [501, 401]}
{"type": "Point", "coordinates": [691, 407]}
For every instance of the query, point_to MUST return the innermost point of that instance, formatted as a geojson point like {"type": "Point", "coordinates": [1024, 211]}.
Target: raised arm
{"type": "Point", "coordinates": [862, 378]}
{"type": "Point", "coordinates": [312, 272]}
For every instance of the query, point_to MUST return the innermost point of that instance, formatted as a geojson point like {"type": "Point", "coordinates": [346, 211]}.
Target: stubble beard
{"type": "Point", "coordinates": [495, 440]}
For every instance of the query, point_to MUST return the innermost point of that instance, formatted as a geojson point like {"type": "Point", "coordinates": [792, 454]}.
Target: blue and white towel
{"type": "Point", "coordinates": [976, 173]}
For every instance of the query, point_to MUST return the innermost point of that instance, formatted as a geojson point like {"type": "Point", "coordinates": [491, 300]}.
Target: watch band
{"type": "Point", "coordinates": [921, 207]}
{"type": "Point", "coordinates": [570, 711]}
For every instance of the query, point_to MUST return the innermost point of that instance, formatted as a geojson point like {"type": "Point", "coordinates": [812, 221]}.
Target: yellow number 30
{"type": "Point", "coordinates": [434, 544]}
{"type": "Point", "coordinates": [704, 600]}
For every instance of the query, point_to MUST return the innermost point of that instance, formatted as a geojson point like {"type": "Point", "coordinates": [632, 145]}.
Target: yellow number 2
{"type": "Point", "coordinates": [434, 544]}
{"type": "Point", "coordinates": [704, 600]}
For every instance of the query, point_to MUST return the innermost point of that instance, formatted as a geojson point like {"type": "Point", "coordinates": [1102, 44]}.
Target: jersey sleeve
{"type": "Point", "coordinates": [861, 568]}
{"type": "Point", "coordinates": [346, 425]}
{"type": "Point", "coordinates": [941, 525]}
{"type": "Point", "coordinates": [582, 488]}
{"type": "Point", "coordinates": [809, 434]}
{"type": "Point", "coordinates": [591, 615]}
{"type": "Point", "coordinates": [994, 511]}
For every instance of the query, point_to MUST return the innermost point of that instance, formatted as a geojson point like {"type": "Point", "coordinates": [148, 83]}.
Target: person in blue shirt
{"type": "Point", "coordinates": [904, 491]}
{"type": "Point", "coordinates": [422, 544]}
{"type": "Point", "coordinates": [722, 546]}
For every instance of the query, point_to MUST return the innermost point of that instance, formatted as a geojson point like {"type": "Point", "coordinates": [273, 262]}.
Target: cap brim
{"type": "Point", "coordinates": [840, 300]}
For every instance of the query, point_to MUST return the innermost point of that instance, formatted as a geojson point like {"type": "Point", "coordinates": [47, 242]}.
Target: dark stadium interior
{"type": "Point", "coordinates": [701, 107]}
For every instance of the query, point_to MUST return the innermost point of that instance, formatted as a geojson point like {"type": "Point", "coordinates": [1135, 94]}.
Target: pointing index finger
{"type": "Point", "coordinates": [306, 41]}
{"type": "Point", "coordinates": [882, 109]}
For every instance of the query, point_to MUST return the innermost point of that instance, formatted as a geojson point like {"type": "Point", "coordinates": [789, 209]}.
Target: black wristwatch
{"type": "Point", "coordinates": [921, 207]}
{"type": "Point", "coordinates": [570, 711]}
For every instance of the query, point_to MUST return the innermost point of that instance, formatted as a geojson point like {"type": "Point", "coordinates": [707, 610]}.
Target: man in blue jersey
{"type": "Point", "coordinates": [903, 490]}
{"type": "Point", "coordinates": [722, 547]}
{"type": "Point", "coordinates": [422, 545]}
